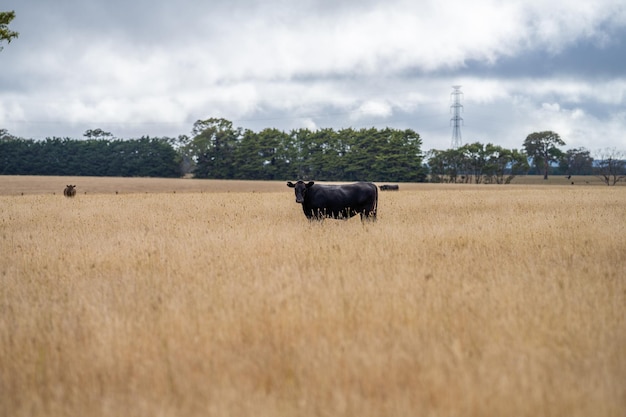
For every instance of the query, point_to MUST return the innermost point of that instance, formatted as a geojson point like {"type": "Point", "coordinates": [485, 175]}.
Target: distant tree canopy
{"type": "Point", "coordinates": [542, 147]}
{"type": "Point", "coordinates": [5, 33]}
{"type": "Point", "coordinates": [97, 134]}
{"type": "Point", "coordinates": [610, 166]}
{"type": "Point", "coordinates": [219, 150]}
{"type": "Point", "coordinates": [477, 163]}
{"type": "Point", "coordinates": [145, 157]}
{"type": "Point", "coordinates": [576, 161]}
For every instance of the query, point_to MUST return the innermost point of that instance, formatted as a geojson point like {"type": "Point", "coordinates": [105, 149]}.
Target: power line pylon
{"type": "Point", "coordinates": [456, 121]}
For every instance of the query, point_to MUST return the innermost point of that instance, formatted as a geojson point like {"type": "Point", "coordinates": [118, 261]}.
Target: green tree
{"type": "Point", "coordinates": [473, 160]}
{"type": "Point", "coordinates": [478, 163]}
{"type": "Point", "coordinates": [318, 154]}
{"type": "Point", "coordinates": [359, 160]}
{"type": "Point", "coordinates": [14, 153]}
{"type": "Point", "coordinates": [271, 153]}
{"type": "Point", "coordinates": [328, 163]}
{"type": "Point", "coordinates": [185, 162]}
{"type": "Point", "coordinates": [212, 148]}
{"type": "Point", "coordinates": [542, 147]}
{"type": "Point", "coordinates": [577, 162]}
{"type": "Point", "coordinates": [248, 156]}
{"type": "Point", "coordinates": [146, 157]}
{"type": "Point", "coordinates": [445, 165]}
{"type": "Point", "coordinates": [97, 134]}
{"type": "Point", "coordinates": [153, 157]}
{"type": "Point", "coordinates": [503, 162]}
{"type": "Point", "coordinates": [259, 155]}
{"type": "Point", "coordinates": [97, 157]}
{"type": "Point", "coordinates": [6, 136]}
{"type": "Point", "coordinates": [302, 153]}
{"type": "Point", "coordinates": [401, 156]}
{"type": "Point", "coordinates": [381, 155]}
{"type": "Point", "coordinates": [5, 33]}
{"type": "Point", "coordinates": [220, 151]}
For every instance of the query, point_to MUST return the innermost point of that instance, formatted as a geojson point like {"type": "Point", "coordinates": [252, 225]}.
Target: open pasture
{"type": "Point", "coordinates": [458, 301]}
{"type": "Point", "coordinates": [29, 184]}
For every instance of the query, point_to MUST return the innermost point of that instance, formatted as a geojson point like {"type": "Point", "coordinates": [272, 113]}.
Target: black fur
{"type": "Point", "coordinates": [336, 201]}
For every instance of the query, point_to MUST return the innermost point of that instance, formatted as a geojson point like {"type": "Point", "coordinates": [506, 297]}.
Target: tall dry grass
{"type": "Point", "coordinates": [472, 301]}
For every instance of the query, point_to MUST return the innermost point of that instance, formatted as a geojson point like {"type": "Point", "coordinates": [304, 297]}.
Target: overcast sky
{"type": "Point", "coordinates": [150, 67]}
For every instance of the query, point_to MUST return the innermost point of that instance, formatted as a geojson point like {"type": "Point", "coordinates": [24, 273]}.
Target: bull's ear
{"type": "Point", "coordinates": [290, 184]}
{"type": "Point", "coordinates": [310, 183]}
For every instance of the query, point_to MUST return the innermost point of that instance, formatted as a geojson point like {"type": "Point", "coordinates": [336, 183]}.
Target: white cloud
{"type": "Point", "coordinates": [308, 64]}
{"type": "Point", "coordinates": [551, 107]}
{"type": "Point", "coordinates": [308, 123]}
{"type": "Point", "coordinates": [373, 108]}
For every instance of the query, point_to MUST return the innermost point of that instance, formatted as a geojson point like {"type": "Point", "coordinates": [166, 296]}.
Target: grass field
{"type": "Point", "coordinates": [222, 300]}
{"type": "Point", "coordinates": [26, 184]}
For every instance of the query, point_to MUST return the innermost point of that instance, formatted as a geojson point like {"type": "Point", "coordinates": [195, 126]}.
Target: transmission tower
{"type": "Point", "coordinates": [456, 121]}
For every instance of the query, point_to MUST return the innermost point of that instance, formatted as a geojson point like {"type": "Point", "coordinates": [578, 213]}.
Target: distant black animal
{"type": "Point", "coordinates": [337, 201]}
{"type": "Point", "coordinates": [70, 191]}
{"type": "Point", "coordinates": [389, 187]}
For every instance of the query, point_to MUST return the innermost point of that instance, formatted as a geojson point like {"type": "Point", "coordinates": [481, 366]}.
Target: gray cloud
{"type": "Point", "coordinates": [147, 67]}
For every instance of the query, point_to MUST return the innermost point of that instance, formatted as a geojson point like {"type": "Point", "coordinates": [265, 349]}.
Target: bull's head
{"type": "Point", "coordinates": [300, 187]}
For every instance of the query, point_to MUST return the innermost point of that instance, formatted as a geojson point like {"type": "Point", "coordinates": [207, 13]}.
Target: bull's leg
{"type": "Point", "coordinates": [369, 215]}
{"type": "Point", "coordinates": [315, 215]}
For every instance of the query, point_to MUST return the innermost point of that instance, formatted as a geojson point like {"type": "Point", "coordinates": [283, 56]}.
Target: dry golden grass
{"type": "Point", "coordinates": [459, 301]}
{"type": "Point", "coordinates": [31, 184]}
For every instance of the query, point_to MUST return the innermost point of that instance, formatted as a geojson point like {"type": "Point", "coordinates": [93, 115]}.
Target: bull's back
{"type": "Point", "coordinates": [359, 197]}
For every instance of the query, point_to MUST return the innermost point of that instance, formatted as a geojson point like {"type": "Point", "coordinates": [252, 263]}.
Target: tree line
{"type": "Point", "coordinates": [477, 163]}
{"type": "Point", "coordinates": [216, 149]}
{"type": "Point", "coordinates": [144, 157]}
{"type": "Point", "coordinates": [541, 153]}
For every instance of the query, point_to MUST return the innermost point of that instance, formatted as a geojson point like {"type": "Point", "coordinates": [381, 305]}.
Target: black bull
{"type": "Point", "coordinates": [336, 201]}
